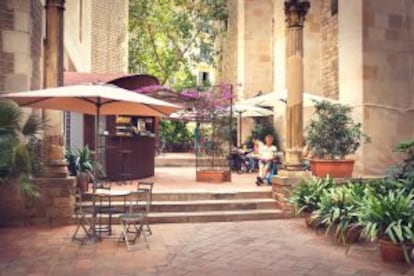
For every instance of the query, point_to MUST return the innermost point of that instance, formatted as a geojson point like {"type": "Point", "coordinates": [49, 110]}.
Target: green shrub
{"type": "Point", "coordinates": [333, 134]}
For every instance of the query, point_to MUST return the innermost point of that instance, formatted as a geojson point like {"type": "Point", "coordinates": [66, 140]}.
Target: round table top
{"type": "Point", "coordinates": [105, 192]}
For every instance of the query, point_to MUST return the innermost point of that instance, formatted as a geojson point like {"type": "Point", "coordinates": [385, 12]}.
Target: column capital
{"type": "Point", "coordinates": [295, 11]}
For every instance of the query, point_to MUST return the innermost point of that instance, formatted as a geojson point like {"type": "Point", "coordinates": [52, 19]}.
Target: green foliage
{"type": "Point", "coordinates": [405, 171]}
{"type": "Point", "coordinates": [175, 135]}
{"type": "Point", "coordinates": [336, 209]}
{"type": "Point", "coordinates": [389, 216]}
{"type": "Point", "coordinates": [167, 38]}
{"type": "Point", "coordinates": [333, 134]}
{"type": "Point", "coordinates": [18, 144]}
{"type": "Point", "coordinates": [307, 194]}
{"type": "Point", "coordinates": [79, 161]}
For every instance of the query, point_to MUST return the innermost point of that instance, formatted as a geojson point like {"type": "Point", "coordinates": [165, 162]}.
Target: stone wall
{"type": "Point", "coordinates": [329, 50]}
{"type": "Point", "coordinates": [228, 63]}
{"type": "Point", "coordinates": [54, 206]}
{"type": "Point", "coordinates": [388, 76]}
{"type": "Point", "coordinates": [20, 41]}
{"type": "Point", "coordinates": [312, 50]}
{"type": "Point", "coordinates": [109, 36]}
{"type": "Point", "coordinates": [258, 51]}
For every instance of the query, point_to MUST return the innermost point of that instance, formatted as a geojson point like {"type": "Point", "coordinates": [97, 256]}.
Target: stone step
{"type": "Point", "coordinates": [160, 161]}
{"type": "Point", "coordinates": [211, 216]}
{"type": "Point", "coordinates": [199, 195]}
{"type": "Point", "coordinates": [203, 205]}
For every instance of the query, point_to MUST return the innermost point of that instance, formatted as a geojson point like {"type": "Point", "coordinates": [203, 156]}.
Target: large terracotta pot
{"type": "Point", "coordinates": [391, 252]}
{"type": "Point", "coordinates": [213, 176]}
{"type": "Point", "coordinates": [334, 168]}
{"type": "Point", "coordinates": [351, 235]}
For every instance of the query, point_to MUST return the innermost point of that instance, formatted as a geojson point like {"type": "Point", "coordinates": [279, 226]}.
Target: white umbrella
{"type": "Point", "coordinates": [269, 99]}
{"type": "Point", "coordinates": [246, 110]}
{"type": "Point", "coordinates": [94, 99]}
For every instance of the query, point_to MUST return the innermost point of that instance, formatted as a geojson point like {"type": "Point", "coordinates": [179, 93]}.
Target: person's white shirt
{"type": "Point", "coordinates": [267, 152]}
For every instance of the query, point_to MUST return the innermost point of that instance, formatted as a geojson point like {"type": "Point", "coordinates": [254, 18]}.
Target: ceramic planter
{"type": "Point", "coordinates": [391, 252]}
{"type": "Point", "coordinates": [334, 168]}
{"type": "Point", "coordinates": [82, 182]}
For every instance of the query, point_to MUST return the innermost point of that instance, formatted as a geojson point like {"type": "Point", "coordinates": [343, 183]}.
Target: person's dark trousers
{"type": "Point", "coordinates": [237, 161]}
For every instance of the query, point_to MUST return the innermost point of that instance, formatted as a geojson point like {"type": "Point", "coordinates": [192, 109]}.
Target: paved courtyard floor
{"type": "Point", "coordinates": [278, 247]}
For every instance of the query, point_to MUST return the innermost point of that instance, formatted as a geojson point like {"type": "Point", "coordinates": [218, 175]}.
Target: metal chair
{"type": "Point", "coordinates": [83, 220]}
{"type": "Point", "coordinates": [134, 220]}
{"type": "Point", "coordinates": [104, 207]}
{"type": "Point", "coordinates": [147, 187]}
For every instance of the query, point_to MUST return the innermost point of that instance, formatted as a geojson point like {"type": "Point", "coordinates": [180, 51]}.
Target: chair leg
{"type": "Point", "coordinates": [148, 228]}
{"type": "Point", "coordinates": [82, 224]}
{"type": "Point", "coordinates": [141, 230]}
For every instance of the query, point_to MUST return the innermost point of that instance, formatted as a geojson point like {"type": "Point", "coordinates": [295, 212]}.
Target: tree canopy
{"type": "Point", "coordinates": [168, 38]}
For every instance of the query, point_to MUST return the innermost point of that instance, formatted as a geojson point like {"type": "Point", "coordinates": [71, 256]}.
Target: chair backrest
{"type": "Point", "coordinates": [146, 187]}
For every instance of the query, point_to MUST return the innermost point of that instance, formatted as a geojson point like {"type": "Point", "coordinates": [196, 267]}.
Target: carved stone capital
{"type": "Point", "coordinates": [295, 11]}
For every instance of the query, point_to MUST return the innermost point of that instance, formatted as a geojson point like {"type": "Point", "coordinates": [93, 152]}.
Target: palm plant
{"type": "Point", "coordinates": [18, 142]}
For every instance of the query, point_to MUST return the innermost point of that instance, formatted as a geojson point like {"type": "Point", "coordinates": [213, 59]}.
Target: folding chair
{"type": "Point", "coordinates": [102, 208]}
{"type": "Point", "coordinates": [83, 221]}
{"type": "Point", "coordinates": [146, 187]}
{"type": "Point", "coordinates": [133, 222]}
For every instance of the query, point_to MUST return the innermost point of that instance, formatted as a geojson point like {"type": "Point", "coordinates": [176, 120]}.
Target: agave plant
{"type": "Point", "coordinates": [18, 142]}
{"type": "Point", "coordinates": [389, 217]}
{"type": "Point", "coordinates": [306, 195]}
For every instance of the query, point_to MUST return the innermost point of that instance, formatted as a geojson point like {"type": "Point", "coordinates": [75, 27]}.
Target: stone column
{"type": "Point", "coordinates": [53, 77]}
{"type": "Point", "coordinates": [295, 11]}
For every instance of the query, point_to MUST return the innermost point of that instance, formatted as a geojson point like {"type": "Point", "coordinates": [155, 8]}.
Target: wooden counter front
{"type": "Point", "coordinates": [135, 153]}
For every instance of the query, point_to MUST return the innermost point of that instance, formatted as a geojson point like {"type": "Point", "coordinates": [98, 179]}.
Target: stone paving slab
{"type": "Point", "coordinates": [276, 247]}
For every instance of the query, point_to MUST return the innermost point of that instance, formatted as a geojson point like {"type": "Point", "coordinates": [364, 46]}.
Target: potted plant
{"type": "Point", "coordinates": [80, 165]}
{"type": "Point", "coordinates": [306, 195]}
{"type": "Point", "coordinates": [331, 137]}
{"type": "Point", "coordinates": [389, 218]}
{"type": "Point", "coordinates": [336, 211]}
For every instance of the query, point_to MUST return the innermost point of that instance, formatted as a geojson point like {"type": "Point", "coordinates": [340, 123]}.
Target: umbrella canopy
{"type": "Point", "coordinates": [269, 99]}
{"type": "Point", "coordinates": [93, 99]}
{"type": "Point", "coordinates": [246, 110]}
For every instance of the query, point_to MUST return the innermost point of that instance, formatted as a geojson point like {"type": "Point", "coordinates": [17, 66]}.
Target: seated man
{"type": "Point", "coordinates": [267, 154]}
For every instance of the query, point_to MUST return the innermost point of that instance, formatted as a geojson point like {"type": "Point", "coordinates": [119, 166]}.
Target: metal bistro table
{"type": "Point", "coordinates": [104, 206]}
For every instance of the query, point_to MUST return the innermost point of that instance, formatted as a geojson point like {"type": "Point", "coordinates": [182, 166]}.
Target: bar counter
{"type": "Point", "coordinates": [129, 157]}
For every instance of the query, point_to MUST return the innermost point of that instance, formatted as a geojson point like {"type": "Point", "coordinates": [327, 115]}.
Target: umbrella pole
{"type": "Point", "coordinates": [240, 129]}
{"type": "Point", "coordinates": [95, 175]}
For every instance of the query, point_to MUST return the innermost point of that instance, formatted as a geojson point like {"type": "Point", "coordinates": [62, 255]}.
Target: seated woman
{"type": "Point", "coordinates": [253, 156]}
{"type": "Point", "coordinates": [267, 154]}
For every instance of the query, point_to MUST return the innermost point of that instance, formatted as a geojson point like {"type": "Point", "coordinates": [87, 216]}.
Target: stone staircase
{"type": "Point", "coordinates": [183, 207]}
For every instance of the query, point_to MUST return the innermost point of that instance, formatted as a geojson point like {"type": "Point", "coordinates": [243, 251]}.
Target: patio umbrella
{"type": "Point", "coordinates": [246, 110]}
{"type": "Point", "coordinates": [94, 99]}
{"type": "Point", "coordinates": [269, 99]}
